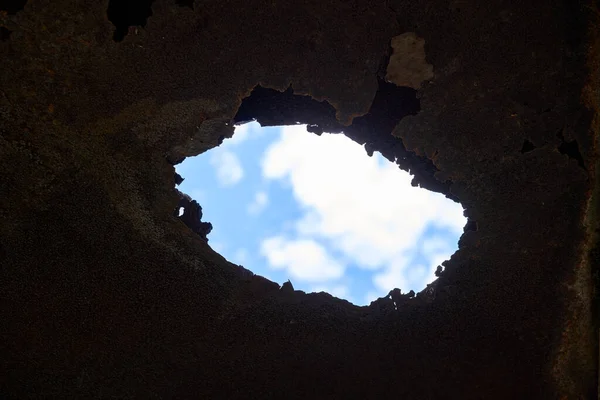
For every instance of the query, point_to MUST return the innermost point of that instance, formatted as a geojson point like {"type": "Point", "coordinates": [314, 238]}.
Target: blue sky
{"type": "Point", "coordinates": [288, 204]}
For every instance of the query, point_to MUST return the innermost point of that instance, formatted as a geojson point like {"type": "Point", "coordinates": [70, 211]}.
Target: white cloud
{"type": "Point", "coordinates": [392, 276]}
{"type": "Point", "coordinates": [366, 208]}
{"type": "Point", "coordinates": [240, 257]}
{"type": "Point", "coordinates": [260, 202]}
{"type": "Point", "coordinates": [217, 246]}
{"type": "Point", "coordinates": [372, 296]}
{"type": "Point", "coordinates": [304, 259]}
{"type": "Point", "coordinates": [199, 195]}
{"type": "Point", "coordinates": [228, 167]}
{"type": "Point", "coordinates": [402, 274]}
{"type": "Point", "coordinates": [240, 135]}
{"type": "Point", "coordinates": [415, 274]}
{"type": "Point", "coordinates": [244, 132]}
{"type": "Point", "coordinates": [435, 244]}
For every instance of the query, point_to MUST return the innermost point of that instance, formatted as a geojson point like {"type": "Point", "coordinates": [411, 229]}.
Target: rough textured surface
{"type": "Point", "coordinates": [272, 108]}
{"type": "Point", "coordinates": [408, 66]}
{"type": "Point", "coordinates": [190, 213]}
{"type": "Point", "coordinates": [105, 293]}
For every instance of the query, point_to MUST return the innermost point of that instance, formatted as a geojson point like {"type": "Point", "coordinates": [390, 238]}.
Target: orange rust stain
{"type": "Point", "coordinates": [51, 108]}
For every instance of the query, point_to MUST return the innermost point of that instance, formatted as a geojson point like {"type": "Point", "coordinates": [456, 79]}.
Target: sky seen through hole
{"type": "Point", "coordinates": [288, 204]}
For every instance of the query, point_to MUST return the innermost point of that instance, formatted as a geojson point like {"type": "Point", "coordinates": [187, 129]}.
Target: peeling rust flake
{"type": "Point", "coordinates": [408, 66]}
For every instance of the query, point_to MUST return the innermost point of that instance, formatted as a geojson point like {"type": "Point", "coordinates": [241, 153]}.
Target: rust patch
{"type": "Point", "coordinates": [408, 66]}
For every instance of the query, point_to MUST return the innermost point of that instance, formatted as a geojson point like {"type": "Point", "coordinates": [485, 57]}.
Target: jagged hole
{"type": "Point", "coordinates": [287, 204]}
{"type": "Point", "coordinates": [325, 211]}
